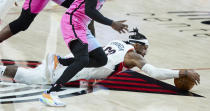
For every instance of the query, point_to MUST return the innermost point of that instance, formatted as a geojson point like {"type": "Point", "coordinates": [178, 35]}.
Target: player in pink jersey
{"type": "Point", "coordinates": [74, 26]}
{"type": "Point", "coordinates": [29, 11]}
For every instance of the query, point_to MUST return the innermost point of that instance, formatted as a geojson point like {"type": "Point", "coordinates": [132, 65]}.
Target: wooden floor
{"type": "Point", "coordinates": [177, 39]}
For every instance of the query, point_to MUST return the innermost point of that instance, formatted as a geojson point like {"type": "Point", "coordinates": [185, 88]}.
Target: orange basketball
{"type": "Point", "coordinates": [184, 83]}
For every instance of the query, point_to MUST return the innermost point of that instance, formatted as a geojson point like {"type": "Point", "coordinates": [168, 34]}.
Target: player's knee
{"type": "Point", "coordinates": [23, 22]}
{"type": "Point", "coordinates": [100, 56]}
{"type": "Point", "coordinates": [80, 52]}
{"type": "Point", "coordinates": [20, 25]}
{"type": "Point", "coordinates": [103, 60]}
{"type": "Point", "coordinates": [83, 61]}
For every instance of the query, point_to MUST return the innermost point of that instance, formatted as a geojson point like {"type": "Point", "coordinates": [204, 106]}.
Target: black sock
{"type": "Point", "coordinates": [55, 87]}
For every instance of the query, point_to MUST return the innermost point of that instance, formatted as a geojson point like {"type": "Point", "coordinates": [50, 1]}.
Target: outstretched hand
{"type": "Point", "coordinates": [120, 26]}
{"type": "Point", "coordinates": [193, 75]}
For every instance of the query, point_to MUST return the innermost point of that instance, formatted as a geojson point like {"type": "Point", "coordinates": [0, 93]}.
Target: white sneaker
{"type": "Point", "coordinates": [51, 99]}
{"type": "Point", "coordinates": [52, 61]}
{"type": "Point", "coordinates": [51, 65]}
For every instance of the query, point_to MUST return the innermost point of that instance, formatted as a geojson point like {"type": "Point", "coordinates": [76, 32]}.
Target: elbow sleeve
{"type": "Point", "coordinates": [90, 11]}
{"type": "Point", "coordinates": [160, 73]}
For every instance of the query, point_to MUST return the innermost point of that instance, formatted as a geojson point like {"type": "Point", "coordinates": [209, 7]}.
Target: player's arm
{"type": "Point", "coordinates": [134, 59]}
{"type": "Point", "coordinates": [162, 73]}
{"type": "Point", "coordinates": [94, 14]}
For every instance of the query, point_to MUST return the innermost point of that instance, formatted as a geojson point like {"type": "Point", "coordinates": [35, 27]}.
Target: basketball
{"type": "Point", "coordinates": [184, 83]}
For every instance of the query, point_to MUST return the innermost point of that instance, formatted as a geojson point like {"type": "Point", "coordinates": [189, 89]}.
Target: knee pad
{"type": "Point", "coordinates": [99, 55]}
{"type": "Point", "coordinates": [23, 22]}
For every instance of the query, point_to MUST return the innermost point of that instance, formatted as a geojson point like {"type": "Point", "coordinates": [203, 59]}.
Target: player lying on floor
{"type": "Point", "coordinates": [121, 56]}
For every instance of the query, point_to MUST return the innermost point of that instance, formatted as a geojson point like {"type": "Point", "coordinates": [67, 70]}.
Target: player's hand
{"type": "Point", "coordinates": [193, 76]}
{"type": "Point", "coordinates": [120, 26]}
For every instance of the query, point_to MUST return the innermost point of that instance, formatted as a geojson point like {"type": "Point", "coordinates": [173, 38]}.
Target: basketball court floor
{"type": "Point", "coordinates": [178, 40]}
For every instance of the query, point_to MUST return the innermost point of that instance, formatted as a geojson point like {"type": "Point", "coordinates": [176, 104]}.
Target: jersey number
{"type": "Point", "coordinates": [109, 51]}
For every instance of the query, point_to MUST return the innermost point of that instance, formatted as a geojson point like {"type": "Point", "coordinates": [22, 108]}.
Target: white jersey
{"type": "Point", "coordinates": [115, 50]}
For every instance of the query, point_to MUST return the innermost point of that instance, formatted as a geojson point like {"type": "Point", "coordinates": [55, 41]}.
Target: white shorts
{"type": "Point", "coordinates": [92, 42]}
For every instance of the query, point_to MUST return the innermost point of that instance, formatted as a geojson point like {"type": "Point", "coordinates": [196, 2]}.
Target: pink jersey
{"type": "Point", "coordinates": [74, 23]}
{"type": "Point", "coordinates": [77, 8]}
{"type": "Point", "coordinates": [36, 6]}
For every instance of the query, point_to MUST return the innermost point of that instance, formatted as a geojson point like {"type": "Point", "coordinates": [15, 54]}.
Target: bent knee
{"type": "Point", "coordinates": [23, 22]}
{"type": "Point", "coordinates": [83, 61]}
{"type": "Point", "coordinates": [103, 60]}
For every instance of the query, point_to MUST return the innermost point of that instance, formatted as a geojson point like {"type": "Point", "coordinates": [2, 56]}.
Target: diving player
{"type": "Point", "coordinates": [121, 56]}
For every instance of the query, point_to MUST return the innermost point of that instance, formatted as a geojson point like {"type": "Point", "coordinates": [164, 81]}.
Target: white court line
{"type": "Point", "coordinates": [10, 88]}
{"type": "Point", "coordinates": [51, 43]}
{"type": "Point", "coordinates": [12, 84]}
{"type": "Point", "coordinates": [15, 87]}
{"type": "Point", "coordinates": [67, 91]}
{"type": "Point", "coordinates": [22, 92]}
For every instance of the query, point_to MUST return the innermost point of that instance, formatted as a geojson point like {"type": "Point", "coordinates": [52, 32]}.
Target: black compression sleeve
{"type": "Point", "coordinates": [67, 3]}
{"type": "Point", "coordinates": [90, 11]}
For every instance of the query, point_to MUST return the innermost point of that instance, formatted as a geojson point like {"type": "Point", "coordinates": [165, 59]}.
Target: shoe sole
{"type": "Point", "coordinates": [42, 101]}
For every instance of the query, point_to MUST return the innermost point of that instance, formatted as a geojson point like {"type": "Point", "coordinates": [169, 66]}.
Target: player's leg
{"type": "Point", "coordinates": [36, 75]}
{"type": "Point", "coordinates": [7, 73]}
{"type": "Point", "coordinates": [20, 24]}
{"type": "Point", "coordinates": [75, 38]}
{"type": "Point", "coordinates": [80, 51]}
{"type": "Point", "coordinates": [97, 56]}
{"type": "Point", "coordinates": [4, 8]}
{"type": "Point", "coordinates": [30, 9]}
{"type": "Point", "coordinates": [24, 75]}
{"type": "Point", "coordinates": [56, 65]}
